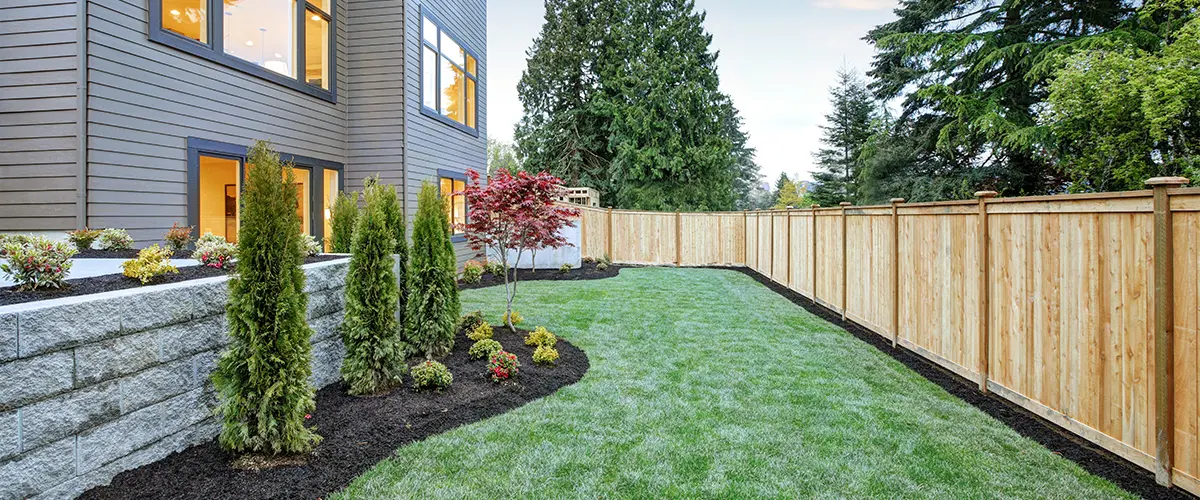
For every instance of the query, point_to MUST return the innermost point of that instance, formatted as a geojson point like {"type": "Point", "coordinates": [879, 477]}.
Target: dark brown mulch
{"type": "Point", "coordinates": [110, 282]}
{"type": "Point", "coordinates": [586, 271]}
{"type": "Point", "coordinates": [93, 253]}
{"type": "Point", "coordinates": [357, 432]}
{"type": "Point", "coordinates": [1090, 456]}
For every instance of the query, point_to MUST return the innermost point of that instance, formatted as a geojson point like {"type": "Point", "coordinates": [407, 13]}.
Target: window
{"type": "Point", "coordinates": [452, 186]}
{"type": "Point", "coordinates": [266, 38]}
{"type": "Point", "coordinates": [327, 200]}
{"type": "Point", "coordinates": [448, 77]}
{"type": "Point", "coordinates": [215, 174]}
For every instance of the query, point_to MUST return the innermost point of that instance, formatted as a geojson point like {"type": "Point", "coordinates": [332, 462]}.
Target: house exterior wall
{"type": "Point", "coordinates": [38, 118]}
{"type": "Point", "coordinates": [375, 109]}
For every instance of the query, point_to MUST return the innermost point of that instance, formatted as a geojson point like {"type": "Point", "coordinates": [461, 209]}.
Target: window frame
{"type": "Point", "coordinates": [436, 112]}
{"type": "Point", "coordinates": [456, 176]}
{"type": "Point", "coordinates": [214, 50]}
{"type": "Point", "coordinates": [197, 147]}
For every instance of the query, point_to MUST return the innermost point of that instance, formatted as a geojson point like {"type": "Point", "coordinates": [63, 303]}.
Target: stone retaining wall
{"type": "Point", "coordinates": [94, 385]}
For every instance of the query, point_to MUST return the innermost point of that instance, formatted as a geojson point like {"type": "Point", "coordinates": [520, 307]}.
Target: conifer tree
{"type": "Point", "coordinates": [262, 379]}
{"type": "Point", "coordinates": [433, 304]}
{"type": "Point", "coordinates": [390, 204]}
{"type": "Point", "coordinates": [342, 215]}
{"type": "Point", "coordinates": [847, 130]}
{"type": "Point", "coordinates": [374, 353]}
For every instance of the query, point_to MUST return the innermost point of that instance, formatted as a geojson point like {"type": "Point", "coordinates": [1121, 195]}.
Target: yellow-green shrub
{"type": "Point", "coordinates": [151, 262]}
{"type": "Point", "coordinates": [540, 336]}
{"type": "Point", "coordinates": [483, 331]}
{"type": "Point", "coordinates": [545, 355]}
{"type": "Point", "coordinates": [484, 349]}
{"type": "Point", "coordinates": [471, 321]}
{"type": "Point", "coordinates": [516, 318]}
{"type": "Point", "coordinates": [431, 375]}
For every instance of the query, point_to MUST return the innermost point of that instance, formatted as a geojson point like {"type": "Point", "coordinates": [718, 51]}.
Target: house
{"type": "Point", "coordinates": [137, 114]}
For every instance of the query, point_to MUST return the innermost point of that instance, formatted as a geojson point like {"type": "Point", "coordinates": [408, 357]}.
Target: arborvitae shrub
{"type": "Point", "coordinates": [342, 215]}
{"type": "Point", "coordinates": [374, 352]}
{"type": "Point", "coordinates": [389, 203]}
{"type": "Point", "coordinates": [433, 305]}
{"type": "Point", "coordinates": [262, 378]}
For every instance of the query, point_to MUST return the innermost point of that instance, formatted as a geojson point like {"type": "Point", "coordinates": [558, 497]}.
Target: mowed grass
{"type": "Point", "coordinates": [705, 384]}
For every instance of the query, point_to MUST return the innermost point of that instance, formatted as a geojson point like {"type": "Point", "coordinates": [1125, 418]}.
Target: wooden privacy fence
{"type": "Point", "coordinates": [1083, 309]}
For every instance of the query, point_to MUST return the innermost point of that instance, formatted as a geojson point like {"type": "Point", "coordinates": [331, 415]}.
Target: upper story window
{"type": "Point", "coordinates": [448, 76]}
{"type": "Point", "coordinates": [286, 41]}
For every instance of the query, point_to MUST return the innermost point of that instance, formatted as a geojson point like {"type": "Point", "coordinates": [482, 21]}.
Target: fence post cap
{"type": "Point", "coordinates": [845, 203]}
{"type": "Point", "coordinates": [897, 200]}
{"type": "Point", "coordinates": [814, 205]}
{"type": "Point", "coordinates": [985, 194]}
{"type": "Point", "coordinates": [1167, 181]}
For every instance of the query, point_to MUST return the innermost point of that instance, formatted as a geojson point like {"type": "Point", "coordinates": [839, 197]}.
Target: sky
{"type": "Point", "coordinates": [778, 59]}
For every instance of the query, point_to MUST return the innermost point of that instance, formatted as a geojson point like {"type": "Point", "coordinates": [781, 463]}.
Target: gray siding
{"type": "Point", "coordinates": [433, 144]}
{"type": "Point", "coordinates": [375, 78]}
{"type": "Point", "coordinates": [38, 118]}
{"type": "Point", "coordinates": [146, 99]}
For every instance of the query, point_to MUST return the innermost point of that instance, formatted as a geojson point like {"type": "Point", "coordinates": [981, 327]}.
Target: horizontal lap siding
{"type": "Point", "coordinates": [433, 145]}
{"type": "Point", "coordinates": [375, 109]}
{"type": "Point", "coordinates": [146, 99]}
{"type": "Point", "coordinates": [38, 115]}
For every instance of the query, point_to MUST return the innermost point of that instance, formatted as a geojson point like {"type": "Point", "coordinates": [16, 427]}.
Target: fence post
{"type": "Point", "coordinates": [771, 247]}
{"type": "Point", "coordinates": [1164, 328]}
{"type": "Point", "coordinates": [813, 253]}
{"type": "Point", "coordinates": [608, 247]}
{"type": "Point", "coordinates": [678, 239]}
{"type": "Point", "coordinates": [746, 238]}
{"type": "Point", "coordinates": [787, 247]}
{"type": "Point", "coordinates": [984, 289]}
{"type": "Point", "coordinates": [844, 204]}
{"type": "Point", "coordinates": [895, 271]}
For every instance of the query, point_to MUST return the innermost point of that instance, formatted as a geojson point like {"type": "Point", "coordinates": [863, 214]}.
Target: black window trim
{"type": "Point", "coordinates": [197, 147]}
{"type": "Point", "coordinates": [436, 113]}
{"type": "Point", "coordinates": [458, 176]}
{"type": "Point", "coordinates": [215, 52]}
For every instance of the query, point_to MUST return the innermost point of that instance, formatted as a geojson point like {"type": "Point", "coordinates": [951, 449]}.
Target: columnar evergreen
{"type": "Point", "coordinates": [262, 380]}
{"type": "Point", "coordinates": [848, 127]}
{"type": "Point", "coordinates": [374, 353]}
{"type": "Point", "coordinates": [343, 214]}
{"type": "Point", "coordinates": [433, 305]}
{"type": "Point", "coordinates": [389, 203]}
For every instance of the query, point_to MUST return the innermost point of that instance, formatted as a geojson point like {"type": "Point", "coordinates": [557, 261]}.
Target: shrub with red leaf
{"type": "Point", "coordinates": [503, 365]}
{"type": "Point", "coordinates": [516, 212]}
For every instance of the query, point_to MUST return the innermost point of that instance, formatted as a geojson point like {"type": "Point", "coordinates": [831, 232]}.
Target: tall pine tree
{"type": "Point", "coordinates": [847, 130]}
{"type": "Point", "coordinates": [433, 304]}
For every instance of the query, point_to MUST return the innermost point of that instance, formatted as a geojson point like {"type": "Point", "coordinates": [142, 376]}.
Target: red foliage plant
{"type": "Point", "coordinates": [518, 212]}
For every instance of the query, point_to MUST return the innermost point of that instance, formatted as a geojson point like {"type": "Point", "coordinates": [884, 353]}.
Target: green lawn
{"type": "Point", "coordinates": [706, 384]}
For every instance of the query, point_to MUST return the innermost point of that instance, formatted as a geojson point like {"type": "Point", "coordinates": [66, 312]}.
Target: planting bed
{"type": "Point", "coordinates": [587, 271]}
{"type": "Point", "coordinates": [111, 282]}
{"type": "Point", "coordinates": [357, 432]}
{"type": "Point", "coordinates": [1089, 456]}
{"type": "Point", "coordinates": [93, 253]}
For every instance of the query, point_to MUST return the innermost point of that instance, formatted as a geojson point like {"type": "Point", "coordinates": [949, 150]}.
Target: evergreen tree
{"type": "Point", "coordinates": [746, 171]}
{"type": "Point", "coordinates": [979, 68]}
{"type": "Point", "coordinates": [847, 130]}
{"type": "Point", "coordinates": [342, 216]}
{"type": "Point", "coordinates": [501, 155]}
{"type": "Point", "coordinates": [374, 353]}
{"type": "Point", "coordinates": [262, 378]}
{"type": "Point", "coordinates": [433, 305]}
{"type": "Point", "coordinates": [390, 206]}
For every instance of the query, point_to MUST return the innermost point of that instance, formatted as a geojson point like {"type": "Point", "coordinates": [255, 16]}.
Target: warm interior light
{"type": "Point", "coordinates": [278, 55]}
{"type": "Point", "coordinates": [249, 43]}
{"type": "Point", "coordinates": [174, 12]}
{"type": "Point", "coordinates": [316, 17]}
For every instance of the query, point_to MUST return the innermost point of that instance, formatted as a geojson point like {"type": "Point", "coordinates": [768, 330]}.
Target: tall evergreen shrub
{"type": "Point", "coordinates": [342, 217]}
{"type": "Point", "coordinates": [374, 352]}
{"type": "Point", "coordinates": [390, 205]}
{"type": "Point", "coordinates": [262, 379]}
{"type": "Point", "coordinates": [433, 305]}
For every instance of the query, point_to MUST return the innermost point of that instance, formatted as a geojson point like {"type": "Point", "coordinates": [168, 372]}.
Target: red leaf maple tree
{"type": "Point", "coordinates": [517, 212]}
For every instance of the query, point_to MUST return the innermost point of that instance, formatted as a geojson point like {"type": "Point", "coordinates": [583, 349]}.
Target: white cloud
{"type": "Point", "coordinates": [856, 4]}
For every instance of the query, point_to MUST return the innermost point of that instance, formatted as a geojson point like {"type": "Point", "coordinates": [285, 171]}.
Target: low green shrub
{"type": "Point", "coordinates": [516, 318]}
{"type": "Point", "coordinates": [178, 237]}
{"type": "Point", "coordinates": [494, 267]}
{"type": "Point", "coordinates": [606, 260]}
{"type": "Point", "coordinates": [36, 262]}
{"type": "Point", "coordinates": [600, 266]}
{"type": "Point", "coordinates": [480, 332]}
{"type": "Point", "coordinates": [114, 239]}
{"type": "Point", "coordinates": [208, 239]}
{"type": "Point", "coordinates": [540, 336]}
{"type": "Point", "coordinates": [151, 262]}
{"type": "Point", "coordinates": [503, 365]}
{"type": "Point", "coordinates": [470, 321]}
{"type": "Point", "coordinates": [565, 268]}
{"type": "Point", "coordinates": [430, 374]}
{"type": "Point", "coordinates": [545, 355]}
{"type": "Point", "coordinates": [309, 245]}
{"type": "Point", "coordinates": [472, 272]}
{"type": "Point", "coordinates": [484, 348]}
{"type": "Point", "coordinates": [589, 260]}
{"type": "Point", "coordinates": [83, 238]}
{"type": "Point", "coordinates": [214, 251]}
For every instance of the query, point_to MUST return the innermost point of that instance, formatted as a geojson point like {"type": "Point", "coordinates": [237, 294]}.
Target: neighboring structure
{"type": "Point", "coordinates": [137, 114]}
{"type": "Point", "coordinates": [585, 196]}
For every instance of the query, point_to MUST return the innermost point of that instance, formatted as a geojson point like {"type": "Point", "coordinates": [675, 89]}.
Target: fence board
{"type": "Point", "coordinates": [1070, 285]}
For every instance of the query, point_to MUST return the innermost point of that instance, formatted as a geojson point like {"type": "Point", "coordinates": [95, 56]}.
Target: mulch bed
{"type": "Point", "coordinates": [110, 282]}
{"type": "Point", "coordinates": [357, 432]}
{"type": "Point", "coordinates": [586, 271]}
{"type": "Point", "coordinates": [1090, 456]}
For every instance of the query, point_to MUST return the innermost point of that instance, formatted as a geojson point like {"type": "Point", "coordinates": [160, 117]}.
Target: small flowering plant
{"type": "Point", "coordinates": [214, 251]}
{"type": "Point", "coordinates": [37, 262]}
{"type": "Point", "coordinates": [472, 271]}
{"type": "Point", "coordinates": [115, 239]}
{"type": "Point", "coordinates": [503, 365]}
{"type": "Point", "coordinates": [431, 375]}
{"type": "Point", "coordinates": [178, 237]}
